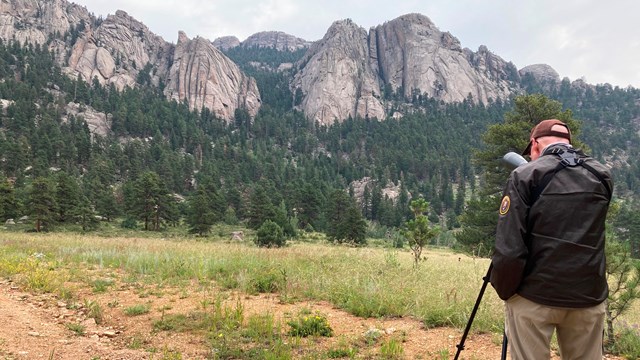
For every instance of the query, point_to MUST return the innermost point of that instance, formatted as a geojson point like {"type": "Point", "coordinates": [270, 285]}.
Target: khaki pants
{"type": "Point", "coordinates": [529, 328]}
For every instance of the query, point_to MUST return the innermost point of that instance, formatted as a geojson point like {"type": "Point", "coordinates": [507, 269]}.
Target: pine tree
{"type": "Point", "coordinates": [260, 208]}
{"type": "Point", "coordinates": [345, 221]}
{"type": "Point", "coordinates": [308, 205]}
{"type": "Point", "coordinates": [200, 216]}
{"type": "Point", "coordinates": [270, 234]}
{"type": "Point", "coordinates": [150, 201]}
{"type": "Point", "coordinates": [480, 218]}
{"type": "Point", "coordinates": [106, 204]}
{"type": "Point", "coordinates": [42, 204]}
{"type": "Point", "coordinates": [418, 231]}
{"type": "Point", "coordinates": [624, 283]}
{"type": "Point", "coordinates": [67, 196]}
{"type": "Point", "coordinates": [8, 202]}
{"type": "Point", "coordinates": [84, 214]}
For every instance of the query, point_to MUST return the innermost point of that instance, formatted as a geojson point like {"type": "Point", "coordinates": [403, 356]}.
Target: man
{"type": "Point", "coordinates": [549, 263]}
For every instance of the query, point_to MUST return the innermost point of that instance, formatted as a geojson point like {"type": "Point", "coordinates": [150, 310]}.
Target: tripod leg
{"type": "Point", "coordinates": [503, 356]}
{"type": "Point", "coordinates": [473, 312]}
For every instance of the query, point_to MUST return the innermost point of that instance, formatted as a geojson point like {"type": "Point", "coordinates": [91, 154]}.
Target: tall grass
{"type": "Point", "coordinates": [369, 282]}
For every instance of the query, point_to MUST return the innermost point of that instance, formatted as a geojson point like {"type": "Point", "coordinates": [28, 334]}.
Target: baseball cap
{"type": "Point", "coordinates": [544, 129]}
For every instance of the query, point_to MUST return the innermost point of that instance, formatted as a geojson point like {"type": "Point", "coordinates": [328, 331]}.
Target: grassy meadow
{"type": "Point", "coordinates": [374, 281]}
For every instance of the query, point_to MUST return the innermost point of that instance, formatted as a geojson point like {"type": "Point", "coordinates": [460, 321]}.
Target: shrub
{"type": "Point", "coordinates": [310, 325]}
{"type": "Point", "coordinates": [129, 223]}
{"type": "Point", "coordinates": [268, 280]}
{"type": "Point", "coordinates": [627, 343]}
{"type": "Point", "coordinates": [270, 234]}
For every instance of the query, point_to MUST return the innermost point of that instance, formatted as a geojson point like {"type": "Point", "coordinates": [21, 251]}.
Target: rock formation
{"type": "Point", "coordinates": [225, 43]}
{"type": "Point", "coordinates": [33, 21]}
{"type": "Point", "coordinates": [115, 50]}
{"type": "Point", "coordinates": [277, 40]}
{"type": "Point", "coordinates": [204, 76]}
{"type": "Point", "coordinates": [99, 123]}
{"type": "Point", "coordinates": [414, 55]}
{"type": "Point", "coordinates": [541, 72]}
{"type": "Point", "coordinates": [342, 74]}
{"type": "Point", "coordinates": [336, 78]}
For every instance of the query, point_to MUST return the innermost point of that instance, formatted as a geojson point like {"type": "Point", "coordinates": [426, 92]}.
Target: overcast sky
{"type": "Point", "coordinates": [598, 40]}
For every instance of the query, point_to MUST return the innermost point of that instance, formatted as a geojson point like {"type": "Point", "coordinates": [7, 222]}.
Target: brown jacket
{"type": "Point", "coordinates": [550, 250]}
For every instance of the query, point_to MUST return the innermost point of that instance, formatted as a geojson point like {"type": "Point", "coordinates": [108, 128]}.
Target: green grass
{"type": "Point", "coordinates": [101, 285]}
{"type": "Point", "coordinates": [368, 282]}
{"type": "Point", "coordinates": [136, 310]}
{"type": "Point", "coordinates": [392, 350]}
{"type": "Point", "coordinates": [94, 310]}
{"type": "Point", "coordinates": [77, 329]}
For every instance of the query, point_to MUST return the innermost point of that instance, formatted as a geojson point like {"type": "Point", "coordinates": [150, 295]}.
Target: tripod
{"type": "Point", "coordinates": [512, 160]}
{"type": "Point", "coordinates": [460, 346]}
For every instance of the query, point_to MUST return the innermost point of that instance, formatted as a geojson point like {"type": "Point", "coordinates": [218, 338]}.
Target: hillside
{"type": "Point", "coordinates": [95, 147]}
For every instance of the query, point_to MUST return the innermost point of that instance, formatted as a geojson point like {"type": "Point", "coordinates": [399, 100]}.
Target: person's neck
{"type": "Point", "coordinates": [559, 143]}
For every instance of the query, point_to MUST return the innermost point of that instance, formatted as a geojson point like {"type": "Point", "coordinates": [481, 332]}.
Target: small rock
{"type": "Point", "coordinates": [109, 333]}
{"type": "Point", "coordinates": [62, 304]}
{"type": "Point", "coordinates": [390, 331]}
{"type": "Point", "coordinates": [33, 333]}
{"type": "Point", "coordinates": [90, 322]}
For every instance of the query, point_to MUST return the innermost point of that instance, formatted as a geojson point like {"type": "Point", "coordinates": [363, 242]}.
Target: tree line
{"type": "Point", "coordinates": [191, 154]}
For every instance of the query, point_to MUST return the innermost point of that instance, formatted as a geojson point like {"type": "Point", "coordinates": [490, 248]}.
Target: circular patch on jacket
{"type": "Point", "coordinates": [504, 205]}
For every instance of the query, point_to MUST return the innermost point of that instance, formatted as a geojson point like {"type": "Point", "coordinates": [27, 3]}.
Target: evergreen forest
{"type": "Point", "coordinates": [162, 165]}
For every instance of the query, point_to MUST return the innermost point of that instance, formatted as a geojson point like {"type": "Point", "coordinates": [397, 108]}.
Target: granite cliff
{"type": "Point", "coordinates": [265, 39]}
{"type": "Point", "coordinates": [342, 74]}
{"type": "Point", "coordinates": [205, 77]}
{"type": "Point", "coordinates": [350, 72]}
{"type": "Point", "coordinates": [337, 79]}
{"type": "Point", "coordinates": [117, 49]}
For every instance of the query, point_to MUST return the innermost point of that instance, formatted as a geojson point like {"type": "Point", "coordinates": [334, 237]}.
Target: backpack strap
{"type": "Point", "coordinates": [599, 176]}
{"type": "Point", "coordinates": [568, 158]}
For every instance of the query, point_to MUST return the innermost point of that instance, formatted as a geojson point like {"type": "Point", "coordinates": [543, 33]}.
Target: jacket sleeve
{"type": "Point", "coordinates": [510, 255]}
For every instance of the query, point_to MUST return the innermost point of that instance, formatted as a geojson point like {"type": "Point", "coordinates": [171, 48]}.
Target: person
{"type": "Point", "coordinates": [549, 262]}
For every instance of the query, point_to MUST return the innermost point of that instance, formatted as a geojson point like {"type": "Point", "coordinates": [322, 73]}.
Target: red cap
{"type": "Point", "coordinates": [544, 129]}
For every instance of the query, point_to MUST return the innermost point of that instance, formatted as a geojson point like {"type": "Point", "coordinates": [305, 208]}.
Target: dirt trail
{"type": "Point", "coordinates": [36, 327]}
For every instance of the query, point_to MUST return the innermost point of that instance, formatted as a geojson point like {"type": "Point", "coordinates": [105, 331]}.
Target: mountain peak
{"type": "Point", "coordinates": [277, 40]}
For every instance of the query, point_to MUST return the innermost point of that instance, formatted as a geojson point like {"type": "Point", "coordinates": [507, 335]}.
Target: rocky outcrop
{"type": "Point", "coordinates": [390, 191]}
{"type": "Point", "coordinates": [117, 49]}
{"type": "Point", "coordinates": [225, 43]}
{"type": "Point", "coordinates": [33, 21]}
{"type": "Point", "coordinates": [541, 72]}
{"type": "Point", "coordinates": [133, 46]}
{"type": "Point", "coordinates": [413, 55]}
{"type": "Point", "coordinates": [205, 77]}
{"type": "Point", "coordinates": [99, 123]}
{"type": "Point", "coordinates": [336, 78]}
{"type": "Point", "coordinates": [266, 39]}
{"type": "Point", "coordinates": [277, 40]}
{"type": "Point", "coordinates": [342, 74]}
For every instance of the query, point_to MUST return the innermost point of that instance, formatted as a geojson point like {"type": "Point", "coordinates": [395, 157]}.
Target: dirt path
{"type": "Point", "coordinates": [37, 327]}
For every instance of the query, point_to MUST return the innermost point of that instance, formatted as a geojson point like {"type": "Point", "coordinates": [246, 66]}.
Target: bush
{"type": "Point", "coordinates": [310, 325]}
{"type": "Point", "coordinates": [270, 234]}
{"type": "Point", "coordinates": [129, 223]}
{"type": "Point", "coordinates": [627, 344]}
{"type": "Point", "coordinates": [269, 280]}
